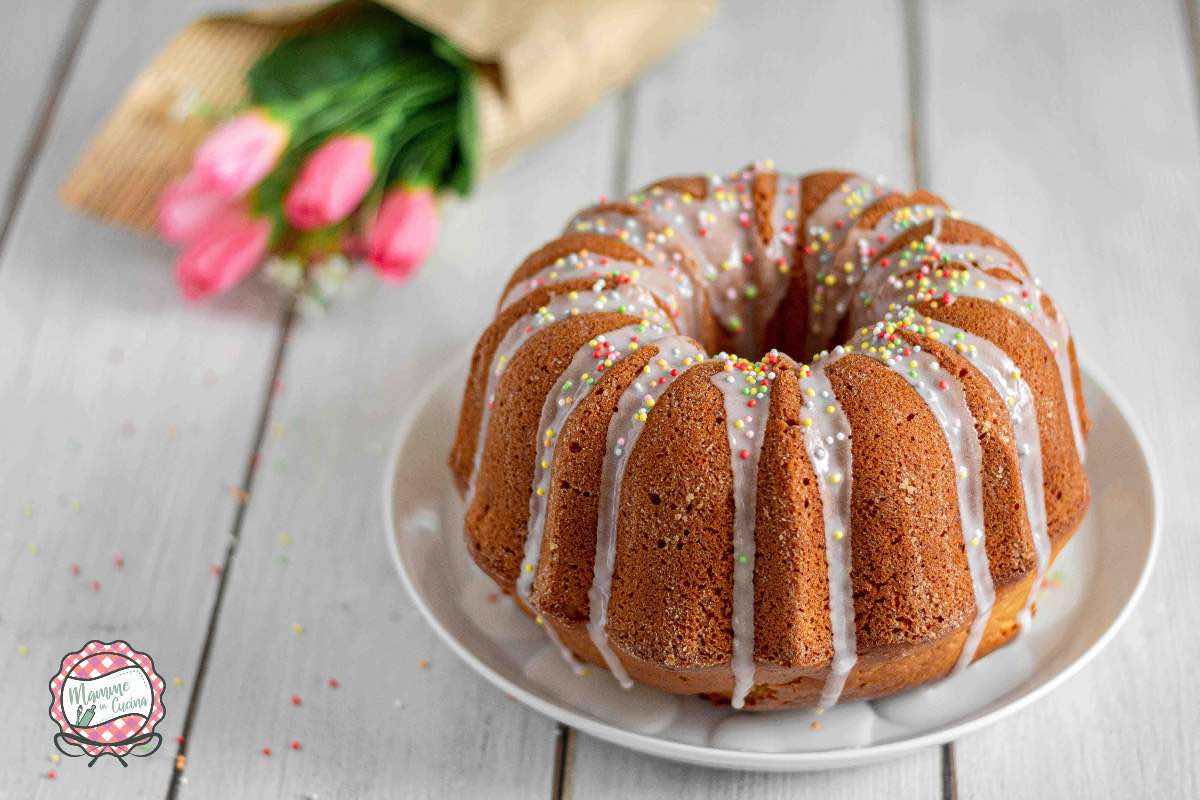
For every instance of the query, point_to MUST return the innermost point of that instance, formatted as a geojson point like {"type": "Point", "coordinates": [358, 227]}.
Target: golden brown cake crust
{"type": "Point", "coordinates": [910, 573]}
{"type": "Point", "coordinates": [564, 572]}
{"type": "Point", "coordinates": [672, 582]}
{"type": "Point", "coordinates": [886, 205]}
{"type": "Point", "coordinates": [791, 611]}
{"type": "Point", "coordinates": [499, 512]}
{"type": "Point", "coordinates": [566, 245]}
{"type": "Point", "coordinates": [1067, 492]}
{"type": "Point", "coordinates": [955, 231]}
{"type": "Point", "coordinates": [693, 185]}
{"type": "Point", "coordinates": [1009, 543]}
{"type": "Point", "coordinates": [462, 451]}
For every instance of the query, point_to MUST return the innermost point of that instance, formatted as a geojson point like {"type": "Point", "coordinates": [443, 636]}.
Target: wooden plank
{"type": "Point", "coordinates": [394, 727]}
{"type": "Point", "coordinates": [125, 416]}
{"type": "Point", "coordinates": [41, 40]}
{"type": "Point", "coordinates": [603, 770]}
{"type": "Point", "coordinates": [1074, 133]}
{"type": "Point", "coordinates": [811, 87]}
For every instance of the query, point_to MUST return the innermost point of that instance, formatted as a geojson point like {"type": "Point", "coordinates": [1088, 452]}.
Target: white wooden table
{"type": "Point", "coordinates": [130, 423]}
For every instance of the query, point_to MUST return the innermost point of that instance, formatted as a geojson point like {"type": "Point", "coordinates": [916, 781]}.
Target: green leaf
{"type": "Point", "coordinates": [406, 137]}
{"type": "Point", "coordinates": [372, 38]}
{"type": "Point", "coordinates": [415, 82]}
{"type": "Point", "coordinates": [423, 159]}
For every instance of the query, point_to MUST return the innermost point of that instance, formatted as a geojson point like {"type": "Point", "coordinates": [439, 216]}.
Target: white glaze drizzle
{"type": "Point", "coordinates": [675, 355]}
{"type": "Point", "coordinates": [629, 299]}
{"type": "Point", "coordinates": [573, 385]}
{"type": "Point", "coordinates": [827, 440]}
{"type": "Point", "coordinates": [944, 396]}
{"type": "Point", "coordinates": [745, 390]}
{"type": "Point", "coordinates": [1005, 377]}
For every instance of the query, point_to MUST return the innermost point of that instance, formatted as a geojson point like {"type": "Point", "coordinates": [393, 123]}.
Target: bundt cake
{"type": "Point", "coordinates": [867, 506]}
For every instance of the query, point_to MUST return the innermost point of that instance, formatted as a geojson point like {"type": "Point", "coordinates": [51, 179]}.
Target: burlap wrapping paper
{"type": "Point", "coordinates": [541, 64]}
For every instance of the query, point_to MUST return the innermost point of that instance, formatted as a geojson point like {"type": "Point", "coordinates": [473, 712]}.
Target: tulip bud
{"type": "Point", "coordinates": [226, 251]}
{"type": "Point", "coordinates": [403, 233]}
{"type": "Point", "coordinates": [332, 182]}
{"type": "Point", "coordinates": [186, 207]}
{"type": "Point", "coordinates": [240, 153]}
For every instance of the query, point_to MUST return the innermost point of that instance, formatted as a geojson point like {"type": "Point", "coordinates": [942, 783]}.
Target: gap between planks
{"type": "Point", "coordinates": [247, 488]}
{"type": "Point", "coordinates": [564, 740]}
{"type": "Point", "coordinates": [1191, 15]}
{"type": "Point", "coordinates": [914, 67]}
{"type": "Point", "coordinates": [31, 153]}
{"type": "Point", "coordinates": [915, 58]}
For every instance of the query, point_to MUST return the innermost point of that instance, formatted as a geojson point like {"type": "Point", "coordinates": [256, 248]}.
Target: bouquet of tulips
{"type": "Point", "coordinates": [349, 135]}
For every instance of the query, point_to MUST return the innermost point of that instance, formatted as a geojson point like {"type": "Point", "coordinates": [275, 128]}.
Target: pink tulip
{"type": "Point", "coordinates": [186, 207]}
{"type": "Point", "coordinates": [240, 153]}
{"type": "Point", "coordinates": [332, 182]}
{"type": "Point", "coordinates": [224, 253]}
{"type": "Point", "coordinates": [403, 233]}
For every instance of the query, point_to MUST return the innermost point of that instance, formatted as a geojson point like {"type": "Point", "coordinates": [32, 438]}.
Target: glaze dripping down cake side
{"type": "Point", "coordinates": [778, 440]}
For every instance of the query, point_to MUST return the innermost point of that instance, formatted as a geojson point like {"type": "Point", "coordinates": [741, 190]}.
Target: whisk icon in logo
{"type": "Point", "coordinates": [106, 699]}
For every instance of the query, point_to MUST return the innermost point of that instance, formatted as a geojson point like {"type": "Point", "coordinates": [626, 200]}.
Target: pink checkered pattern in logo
{"type": "Point", "coordinates": [95, 660]}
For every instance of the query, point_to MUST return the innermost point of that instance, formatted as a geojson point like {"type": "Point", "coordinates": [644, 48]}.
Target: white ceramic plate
{"type": "Point", "coordinates": [1080, 610]}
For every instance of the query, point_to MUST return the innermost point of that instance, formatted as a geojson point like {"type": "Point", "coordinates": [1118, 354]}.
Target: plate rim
{"type": "Point", "coordinates": [742, 759]}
